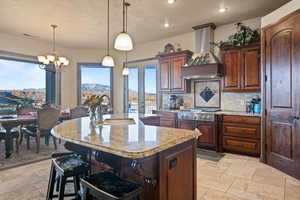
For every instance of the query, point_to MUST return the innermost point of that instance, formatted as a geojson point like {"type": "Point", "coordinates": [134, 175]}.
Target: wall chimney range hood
{"type": "Point", "coordinates": [204, 36]}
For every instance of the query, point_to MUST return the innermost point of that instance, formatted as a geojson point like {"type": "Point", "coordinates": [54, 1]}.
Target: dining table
{"type": "Point", "coordinates": [10, 122]}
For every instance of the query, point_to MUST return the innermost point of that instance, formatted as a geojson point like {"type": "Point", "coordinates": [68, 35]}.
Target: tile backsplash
{"type": "Point", "coordinates": [229, 100]}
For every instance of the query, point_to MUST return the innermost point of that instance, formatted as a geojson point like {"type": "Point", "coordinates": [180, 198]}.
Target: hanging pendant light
{"type": "Point", "coordinates": [108, 60]}
{"type": "Point", "coordinates": [125, 71]}
{"type": "Point", "coordinates": [52, 62]}
{"type": "Point", "coordinates": [123, 41]}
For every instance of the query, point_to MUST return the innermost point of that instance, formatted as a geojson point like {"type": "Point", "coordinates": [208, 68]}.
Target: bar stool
{"type": "Point", "coordinates": [108, 186]}
{"type": "Point", "coordinates": [64, 166]}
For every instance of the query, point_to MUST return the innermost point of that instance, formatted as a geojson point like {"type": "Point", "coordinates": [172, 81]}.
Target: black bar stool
{"type": "Point", "coordinates": [108, 186]}
{"type": "Point", "coordinates": [64, 166]}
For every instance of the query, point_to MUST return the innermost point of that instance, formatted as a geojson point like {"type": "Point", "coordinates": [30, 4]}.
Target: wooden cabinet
{"type": "Point", "coordinates": [208, 139]}
{"type": "Point", "coordinates": [151, 121]}
{"type": "Point", "coordinates": [241, 68]}
{"type": "Point", "coordinates": [241, 134]}
{"type": "Point", "coordinates": [167, 118]}
{"type": "Point", "coordinates": [170, 71]}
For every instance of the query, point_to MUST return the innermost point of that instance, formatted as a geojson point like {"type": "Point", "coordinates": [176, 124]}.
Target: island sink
{"type": "Point", "coordinates": [116, 121]}
{"type": "Point", "coordinates": [162, 159]}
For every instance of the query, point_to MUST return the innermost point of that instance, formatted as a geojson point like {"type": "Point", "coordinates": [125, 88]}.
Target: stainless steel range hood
{"type": "Point", "coordinates": [204, 36]}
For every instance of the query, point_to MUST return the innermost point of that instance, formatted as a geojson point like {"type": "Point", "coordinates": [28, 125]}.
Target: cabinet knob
{"type": "Point", "coordinates": [296, 117]}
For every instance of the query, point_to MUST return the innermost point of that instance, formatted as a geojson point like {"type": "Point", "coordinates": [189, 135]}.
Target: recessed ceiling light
{"type": "Point", "coordinates": [166, 25]}
{"type": "Point", "coordinates": [171, 1]}
{"type": "Point", "coordinates": [222, 10]}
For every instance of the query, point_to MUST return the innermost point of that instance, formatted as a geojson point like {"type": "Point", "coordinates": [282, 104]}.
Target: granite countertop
{"type": "Point", "coordinates": [131, 140]}
{"type": "Point", "coordinates": [223, 112]}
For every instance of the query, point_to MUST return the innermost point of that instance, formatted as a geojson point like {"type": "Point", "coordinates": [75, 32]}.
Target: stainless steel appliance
{"type": "Point", "coordinates": [206, 115]}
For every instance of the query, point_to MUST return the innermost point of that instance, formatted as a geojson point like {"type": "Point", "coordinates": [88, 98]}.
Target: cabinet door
{"type": "Point", "coordinates": [232, 68]}
{"type": "Point", "coordinates": [208, 137]}
{"type": "Point", "coordinates": [165, 75]}
{"type": "Point", "coordinates": [187, 124]}
{"type": "Point", "coordinates": [251, 69]}
{"type": "Point", "coordinates": [177, 83]}
{"type": "Point", "coordinates": [171, 123]}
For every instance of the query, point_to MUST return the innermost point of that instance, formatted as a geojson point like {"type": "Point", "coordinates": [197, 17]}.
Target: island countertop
{"type": "Point", "coordinates": [130, 140]}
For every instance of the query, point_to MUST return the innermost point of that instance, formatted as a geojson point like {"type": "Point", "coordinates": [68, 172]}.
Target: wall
{"type": "Point", "coordinates": [280, 13]}
{"type": "Point", "coordinates": [230, 101]}
{"type": "Point", "coordinates": [33, 47]}
{"type": "Point", "coordinates": [27, 46]}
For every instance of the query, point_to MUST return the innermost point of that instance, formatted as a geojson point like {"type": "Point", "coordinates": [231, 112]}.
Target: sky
{"type": "Point", "coordinates": [16, 75]}
{"type": "Point", "coordinates": [95, 75]}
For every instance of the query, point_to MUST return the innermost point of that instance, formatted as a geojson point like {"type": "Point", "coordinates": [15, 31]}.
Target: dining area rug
{"type": "Point", "coordinates": [26, 156]}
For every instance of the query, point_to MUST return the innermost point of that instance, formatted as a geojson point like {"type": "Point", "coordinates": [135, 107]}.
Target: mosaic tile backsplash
{"type": "Point", "coordinates": [232, 101]}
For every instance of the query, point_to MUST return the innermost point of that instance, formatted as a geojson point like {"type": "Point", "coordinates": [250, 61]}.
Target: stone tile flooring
{"type": "Point", "coordinates": [234, 177]}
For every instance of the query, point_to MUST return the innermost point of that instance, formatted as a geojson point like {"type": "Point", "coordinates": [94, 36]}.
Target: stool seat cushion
{"type": "Point", "coordinates": [112, 184]}
{"type": "Point", "coordinates": [71, 163]}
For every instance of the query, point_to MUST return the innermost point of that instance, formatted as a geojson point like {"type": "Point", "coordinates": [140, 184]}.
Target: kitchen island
{"type": "Point", "coordinates": [162, 159]}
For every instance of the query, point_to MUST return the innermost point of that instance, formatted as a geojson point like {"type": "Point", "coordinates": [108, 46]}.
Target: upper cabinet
{"type": "Point", "coordinates": [241, 68]}
{"type": "Point", "coordinates": [170, 65]}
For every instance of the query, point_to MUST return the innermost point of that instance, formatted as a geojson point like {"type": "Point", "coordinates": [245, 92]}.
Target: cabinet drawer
{"type": "Point", "coordinates": [167, 123]}
{"type": "Point", "coordinates": [241, 130]}
{"type": "Point", "coordinates": [241, 145]}
{"type": "Point", "coordinates": [241, 119]}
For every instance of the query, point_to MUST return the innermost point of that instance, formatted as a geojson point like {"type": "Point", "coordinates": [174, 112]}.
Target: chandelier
{"type": "Point", "coordinates": [123, 41]}
{"type": "Point", "coordinates": [52, 62]}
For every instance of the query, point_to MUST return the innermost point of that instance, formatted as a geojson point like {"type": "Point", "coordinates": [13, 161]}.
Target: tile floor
{"type": "Point", "coordinates": [234, 177]}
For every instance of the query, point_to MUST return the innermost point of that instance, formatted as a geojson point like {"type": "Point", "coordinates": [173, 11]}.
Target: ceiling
{"type": "Point", "coordinates": [82, 23]}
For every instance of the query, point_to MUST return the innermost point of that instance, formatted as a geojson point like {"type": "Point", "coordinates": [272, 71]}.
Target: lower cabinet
{"type": "Point", "coordinates": [241, 134]}
{"type": "Point", "coordinates": [167, 118]}
{"type": "Point", "coordinates": [151, 121]}
{"type": "Point", "coordinates": [209, 137]}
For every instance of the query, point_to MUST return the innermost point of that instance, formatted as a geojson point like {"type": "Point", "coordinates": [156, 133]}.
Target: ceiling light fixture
{"type": "Point", "coordinates": [166, 25]}
{"type": "Point", "coordinates": [223, 9]}
{"type": "Point", "coordinates": [123, 41]}
{"type": "Point", "coordinates": [52, 62]}
{"type": "Point", "coordinates": [171, 1]}
{"type": "Point", "coordinates": [125, 71]}
{"type": "Point", "coordinates": [108, 60]}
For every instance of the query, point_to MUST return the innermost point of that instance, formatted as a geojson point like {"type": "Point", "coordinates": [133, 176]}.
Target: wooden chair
{"type": "Point", "coordinates": [47, 118]}
{"type": "Point", "coordinates": [24, 111]}
{"type": "Point", "coordinates": [78, 112]}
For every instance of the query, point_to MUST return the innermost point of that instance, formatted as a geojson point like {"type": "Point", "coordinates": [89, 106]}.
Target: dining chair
{"type": "Point", "coordinates": [24, 111]}
{"type": "Point", "coordinates": [79, 111]}
{"type": "Point", "coordinates": [47, 118]}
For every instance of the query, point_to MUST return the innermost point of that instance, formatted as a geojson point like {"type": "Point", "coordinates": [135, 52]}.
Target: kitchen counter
{"type": "Point", "coordinates": [222, 112]}
{"type": "Point", "coordinates": [130, 140]}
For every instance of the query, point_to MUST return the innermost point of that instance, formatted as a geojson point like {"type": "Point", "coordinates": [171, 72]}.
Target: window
{"type": "Point", "coordinates": [21, 82]}
{"type": "Point", "coordinates": [94, 80]}
{"type": "Point", "coordinates": [140, 88]}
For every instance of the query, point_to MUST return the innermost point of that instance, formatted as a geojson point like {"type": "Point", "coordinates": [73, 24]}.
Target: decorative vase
{"type": "Point", "coordinates": [93, 113]}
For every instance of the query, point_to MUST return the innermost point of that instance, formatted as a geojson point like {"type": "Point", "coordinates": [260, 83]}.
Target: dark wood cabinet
{"type": "Point", "coordinates": [170, 65]}
{"type": "Point", "coordinates": [208, 139]}
{"type": "Point", "coordinates": [151, 121]}
{"type": "Point", "coordinates": [241, 134]}
{"type": "Point", "coordinates": [241, 68]}
{"type": "Point", "coordinates": [167, 118]}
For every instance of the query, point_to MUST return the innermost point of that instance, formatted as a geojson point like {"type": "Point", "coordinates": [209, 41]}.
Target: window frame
{"type": "Point", "coordinates": [140, 65]}
{"type": "Point", "coordinates": [49, 88]}
{"type": "Point", "coordinates": [94, 65]}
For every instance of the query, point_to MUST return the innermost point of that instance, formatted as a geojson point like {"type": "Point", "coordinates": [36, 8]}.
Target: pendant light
{"type": "Point", "coordinates": [125, 71]}
{"type": "Point", "coordinates": [108, 59]}
{"type": "Point", "coordinates": [52, 62]}
{"type": "Point", "coordinates": [123, 41]}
